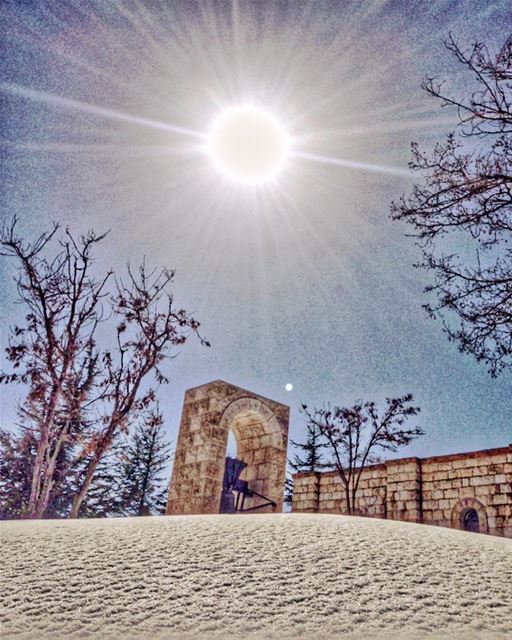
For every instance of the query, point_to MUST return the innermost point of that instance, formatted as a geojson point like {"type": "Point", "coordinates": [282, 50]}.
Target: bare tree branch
{"type": "Point", "coordinates": [466, 198]}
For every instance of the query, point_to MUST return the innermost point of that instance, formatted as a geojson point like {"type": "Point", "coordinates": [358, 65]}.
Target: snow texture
{"type": "Point", "coordinates": [264, 576]}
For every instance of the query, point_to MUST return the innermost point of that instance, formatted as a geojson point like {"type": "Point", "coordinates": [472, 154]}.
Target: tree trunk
{"type": "Point", "coordinates": [82, 492]}
{"type": "Point", "coordinates": [354, 492]}
{"type": "Point", "coordinates": [35, 486]}
{"type": "Point", "coordinates": [48, 480]}
{"type": "Point", "coordinates": [42, 448]}
{"type": "Point", "coordinates": [101, 447]}
{"type": "Point", "coordinates": [347, 498]}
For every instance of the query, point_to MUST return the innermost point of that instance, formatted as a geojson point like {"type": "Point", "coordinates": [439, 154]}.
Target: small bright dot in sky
{"type": "Point", "coordinates": [248, 144]}
{"type": "Point", "coordinates": [289, 387]}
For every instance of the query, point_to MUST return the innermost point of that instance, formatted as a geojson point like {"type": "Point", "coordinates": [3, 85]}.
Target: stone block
{"type": "Point", "coordinates": [194, 423]}
{"type": "Point", "coordinates": [265, 441]}
{"type": "Point", "coordinates": [191, 456]}
{"type": "Point", "coordinates": [309, 504]}
{"type": "Point", "coordinates": [480, 480]}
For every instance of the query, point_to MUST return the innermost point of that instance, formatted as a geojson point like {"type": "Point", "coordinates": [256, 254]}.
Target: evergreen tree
{"type": "Point", "coordinates": [312, 459]}
{"type": "Point", "coordinates": [141, 462]}
{"type": "Point", "coordinates": [17, 454]}
{"type": "Point", "coordinates": [17, 457]}
{"type": "Point", "coordinates": [288, 490]}
{"type": "Point", "coordinates": [127, 480]}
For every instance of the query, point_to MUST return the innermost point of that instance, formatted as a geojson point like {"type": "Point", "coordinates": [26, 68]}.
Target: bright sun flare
{"type": "Point", "coordinates": [248, 144]}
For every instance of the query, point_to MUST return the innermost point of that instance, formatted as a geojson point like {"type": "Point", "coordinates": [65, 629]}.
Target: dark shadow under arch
{"type": "Point", "coordinates": [469, 514]}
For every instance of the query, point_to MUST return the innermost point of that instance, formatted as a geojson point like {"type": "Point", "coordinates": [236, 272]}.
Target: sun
{"type": "Point", "coordinates": [247, 144]}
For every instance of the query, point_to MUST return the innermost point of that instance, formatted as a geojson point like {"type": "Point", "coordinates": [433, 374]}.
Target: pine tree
{"type": "Point", "coordinates": [288, 490]}
{"type": "Point", "coordinates": [17, 456]}
{"type": "Point", "coordinates": [17, 453]}
{"type": "Point", "coordinates": [313, 460]}
{"type": "Point", "coordinates": [141, 462]}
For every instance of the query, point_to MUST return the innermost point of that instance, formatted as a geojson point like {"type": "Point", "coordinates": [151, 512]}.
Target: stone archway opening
{"type": "Point", "coordinates": [469, 514]}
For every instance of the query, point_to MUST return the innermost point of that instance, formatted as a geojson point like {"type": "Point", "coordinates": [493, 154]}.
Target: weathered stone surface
{"type": "Point", "coordinates": [438, 490]}
{"type": "Point", "coordinates": [260, 427]}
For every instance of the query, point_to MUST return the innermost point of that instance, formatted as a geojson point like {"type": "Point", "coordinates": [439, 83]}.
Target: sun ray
{"type": "Point", "coordinates": [383, 128]}
{"type": "Point", "coordinates": [352, 164]}
{"type": "Point", "coordinates": [78, 105]}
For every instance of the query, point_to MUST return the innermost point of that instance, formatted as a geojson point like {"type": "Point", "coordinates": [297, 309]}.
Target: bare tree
{"type": "Point", "coordinates": [149, 326]}
{"type": "Point", "coordinates": [352, 434]}
{"type": "Point", "coordinates": [54, 352]}
{"type": "Point", "coordinates": [71, 381]}
{"type": "Point", "coordinates": [466, 198]}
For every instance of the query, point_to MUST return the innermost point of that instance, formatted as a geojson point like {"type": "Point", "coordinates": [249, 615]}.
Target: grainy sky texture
{"type": "Point", "coordinates": [304, 280]}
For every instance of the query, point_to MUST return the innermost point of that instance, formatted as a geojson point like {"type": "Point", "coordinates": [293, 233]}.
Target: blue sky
{"type": "Point", "coordinates": [304, 281]}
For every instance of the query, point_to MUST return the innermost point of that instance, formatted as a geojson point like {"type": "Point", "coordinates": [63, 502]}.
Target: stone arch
{"type": "Point", "coordinates": [463, 507]}
{"type": "Point", "coordinates": [260, 427]}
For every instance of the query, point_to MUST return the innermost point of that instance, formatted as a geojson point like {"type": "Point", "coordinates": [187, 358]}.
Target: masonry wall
{"type": "Point", "coordinates": [472, 479]}
{"type": "Point", "coordinates": [433, 490]}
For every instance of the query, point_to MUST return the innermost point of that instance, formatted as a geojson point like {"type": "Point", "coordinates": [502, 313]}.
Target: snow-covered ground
{"type": "Point", "coordinates": [267, 576]}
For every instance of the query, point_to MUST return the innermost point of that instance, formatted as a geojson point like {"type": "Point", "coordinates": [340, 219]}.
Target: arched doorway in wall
{"type": "Point", "coordinates": [469, 514]}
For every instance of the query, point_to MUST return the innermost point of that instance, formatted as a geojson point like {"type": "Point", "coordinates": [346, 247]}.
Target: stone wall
{"type": "Point", "coordinates": [476, 480]}
{"type": "Point", "coordinates": [437, 490]}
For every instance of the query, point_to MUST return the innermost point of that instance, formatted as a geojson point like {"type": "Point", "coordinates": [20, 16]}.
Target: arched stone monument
{"type": "Point", "coordinates": [260, 427]}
